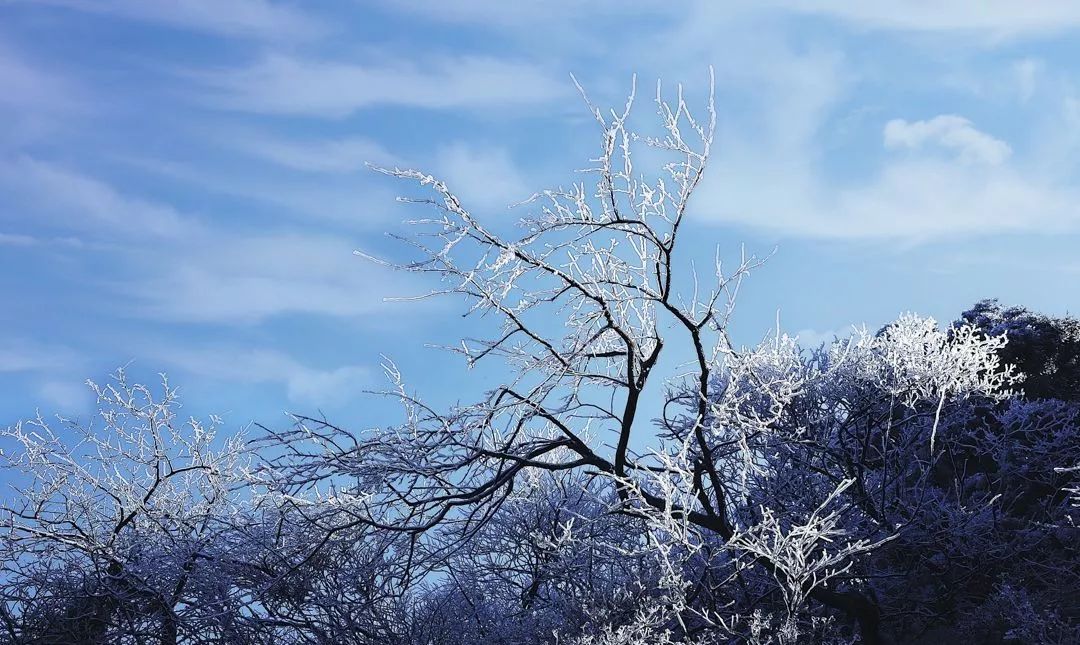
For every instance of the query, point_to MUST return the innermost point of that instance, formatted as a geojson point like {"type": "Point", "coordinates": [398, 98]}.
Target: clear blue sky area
{"type": "Point", "coordinates": [182, 182]}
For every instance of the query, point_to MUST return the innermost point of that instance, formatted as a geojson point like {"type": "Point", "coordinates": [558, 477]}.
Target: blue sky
{"type": "Point", "coordinates": [182, 182]}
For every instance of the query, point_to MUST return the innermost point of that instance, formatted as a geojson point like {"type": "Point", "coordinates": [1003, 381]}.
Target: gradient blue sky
{"type": "Point", "coordinates": [182, 182]}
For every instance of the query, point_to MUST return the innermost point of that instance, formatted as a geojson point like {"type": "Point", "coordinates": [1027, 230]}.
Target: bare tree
{"type": "Point", "coordinates": [589, 297]}
{"type": "Point", "coordinates": [114, 518]}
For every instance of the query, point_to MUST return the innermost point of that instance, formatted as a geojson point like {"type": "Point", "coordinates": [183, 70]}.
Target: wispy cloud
{"type": "Point", "coordinates": [56, 371]}
{"type": "Point", "coordinates": [353, 201]}
{"type": "Point", "coordinates": [948, 131]}
{"type": "Point", "coordinates": [999, 18]}
{"type": "Point", "coordinates": [247, 18]}
{"type": "Point", "coordinates": [237, 279]}
{"type": "Point", "coordinates": [331, 88]}
{"type": "Point", "coordinates": [915, 198]}
{"type": "Point", "coordinates": [76, 201]}
{"type": "Point", "coordinates": [26, 355]}
{"type": "Point", "coordinates": [303, 384]}
{"type": "Point", "coordinates": [512, 14]}
{"type": "Point", "coordinates": [341, 155]}
{"type": "Point", "coordinates": [920, 198]}
{"type": "Point", "coordinates": [173, 268]}
{"type": "Point", "coordinates": [66, 394]}
{"type": "Point", "coordinates": [195, 142]}
{"type": "Point", "coordinates": [19, 240]}
{"type": "Point", "coordinates": [31, 87]}
{"type": "Point", "coordinates": [1026, 73]}
{"type": "Point", "coordinates": [37, 102]}
{"type": "Point", "coordinates": [484, 177]}
{"type": "Point", "coordinates": [328, 387]}
{"type": "Point", "coordinates": [8, 239]}
{"type": "Point", "coordinates": [772, 171]}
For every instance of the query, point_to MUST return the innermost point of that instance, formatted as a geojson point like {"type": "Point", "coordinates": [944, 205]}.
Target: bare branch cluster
{"type": "Point", "coordinates": [785, 493]}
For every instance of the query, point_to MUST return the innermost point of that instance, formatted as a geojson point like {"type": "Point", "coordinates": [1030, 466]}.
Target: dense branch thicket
{"type": "Point", "coordinates": [917, 484]}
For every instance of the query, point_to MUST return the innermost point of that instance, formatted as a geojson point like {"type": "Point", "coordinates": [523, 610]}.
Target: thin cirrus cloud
{"type": "Point", "coordinates": [491, 12]}
{"type": "Point", "coordinates": [484, 177]}
{"type": "Point", "coordinates": [328, 155]}
{"type": "Point", "coordinates": [280, 84]}
{"type": "Point", "coordinates": [25, 355]}
{"type": "Point", "coordinates": [57, 371]}
{"type": "Point", "coordinates": [950, 132]}
{"type": "Point", "coordinates": [37, 102]}
{"type": "Point", "coordinates": [25, 241]}
{"type": "Point", "coordinates": [194, 272]}
{"type": "Point", "coordinates": [75, 201]}
{"type": "Point", "coordinates": [230, 203]}
{"type": "Point", "coordinates": [259, 19]}
{"type": "Point", "coordinates": [245, 279]}
{"type": "Point", "coordinates": [992, 19]}
{"type": "Point", "coordinates": [66, 393]}
{"type": "Point", "coordinates": [303, 384]}
{"type": "Point", "coordinates": [1001, 18]}
{"type": "Point", "coordinates": [325, 194]}
{"type": "Point", "coordinates": [29, 87]}
{"type": "Point", "coordinates": [15, 239]}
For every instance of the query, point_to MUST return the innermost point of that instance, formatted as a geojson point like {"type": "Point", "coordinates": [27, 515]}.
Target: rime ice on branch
{"type": "Point", "coordinates": [602, 260]}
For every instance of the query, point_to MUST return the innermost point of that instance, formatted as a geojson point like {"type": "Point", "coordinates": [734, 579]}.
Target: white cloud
{"type": "Point", "coordinates": [926, 198]}
{"type": "Point", "coordinates": [349, 199]}
{"type": "Point", "coordinates": [516, 14]}
{"type": "Point", "coordinates": [303, 384]}
{"type": "Point", "coordinates": [948, 131]}
{"type": "Point", "coordinates": [235, 279]}
{"type": "Point", "coordinates": [998, 18]}
{"type": "Point", "coordinates": [909, 199]}
{"type": "Point", "coordinates": [286, 85]}
{"type": "Point", "coordinates": [205, 273]}
{"type": "Point", "coordinates": [773, 168]}
{"type": "Point", "coordinates": [25, 355]}
{"type": "Point", "coordinates": [24, 241]}
{"type": "Point", "coordinates": [328, 387]}
{"type": "Point", "coordinates": [28, 87]}
{"type": "Point", "coordinates": [483, 177]}
{"type": "Point", "coordinates": [344, 155]}
{"type": "Point", "coordinates": [37, 103]}
{"type": "Point", "coordinates": [56, 370]}
{"type": "Point", "coordinates": [66, 396]}
{"type": "Point", "coordinates": [1017, 83]}
{"type": "Point", "coordinates": [77, 201]}
{"type": "Point", "coordinates": [770, 173]}
{"type": "Point", "coordinates": [7, 239]}
{"type": "Point", "coordinates": [1026, 74]}
{"type": "Point", "coordinates": [248, 18]}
